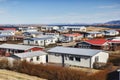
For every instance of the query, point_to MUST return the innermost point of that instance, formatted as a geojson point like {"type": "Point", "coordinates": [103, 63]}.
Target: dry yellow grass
{"type": "Point", "coordinates": [96, 28]}
{"type": "Point", "coordinates": [11, 75]}
{"type": "Point", "coordinates": [87, 70]}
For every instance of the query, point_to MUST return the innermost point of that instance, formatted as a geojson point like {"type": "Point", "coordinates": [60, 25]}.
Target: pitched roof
{"type": "Point", "coordinates": [16, 46]}
{"type": "Point", "coordinates": [74, 51]}
{"type": "Point", "coordinates": [30, 54]}
{"type": "Point", "coordinates": [96, 41]}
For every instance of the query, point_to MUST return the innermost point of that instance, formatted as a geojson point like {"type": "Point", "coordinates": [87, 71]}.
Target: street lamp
{"type": "Point", "coordinates": [118, 73]}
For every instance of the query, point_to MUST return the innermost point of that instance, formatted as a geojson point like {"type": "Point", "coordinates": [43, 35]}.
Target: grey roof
{"type": "Point", "coordinates": [30, 54]}
{"type": "Point", "coordinates": [93, 32]}
{"type": "Point", "coordinates": [38, 38]}
{"type": "Point", "coordinates": [74, 51]}
{"type": "Point", "coordinates": [16, 46]}
{"type": "Point", "coordinates": [35, 32]}
{"type": "Point", "coordinates": [73, 26]}
{"type": "Point", "coordinates": [110, 31]}
{"type": "Point", "coordinates": [5, 35]}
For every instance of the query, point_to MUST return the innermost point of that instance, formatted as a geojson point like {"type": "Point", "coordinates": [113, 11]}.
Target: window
{"type": "Point", "coordinates": [71, 58]}
{"type": "Point", "coordinates": [38, 58]}
{"type": "Point", "coordinates": [77, 59]}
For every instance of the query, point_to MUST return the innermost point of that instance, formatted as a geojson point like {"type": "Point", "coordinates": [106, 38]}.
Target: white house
{"type": "Point", "coordinates": [71, 37]}
{"type": "Point", "coordinates": [110, 33]}
{"type": "Point", "coordinates": [76, 57]}
{"type": "Point", "coordinates": [75, 28]}
{"type": "Point", "coordinates": [8, 49]}
{"type": "Point", "coordinates": [40, 41]}
{"type": "Point", "coordinates": [35, 56]}
{"type": "Point", "coordinates": [32, 34]}
{"type": "Point", "coordinates": [93, 34]}
{"type": "Point", "coordinates": [7, 32]}
{"type": "Point", "coordinates": [27, 29]}
{"type": "Point", "coordinates": [49, 28]}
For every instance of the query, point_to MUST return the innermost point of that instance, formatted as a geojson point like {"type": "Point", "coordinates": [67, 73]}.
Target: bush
{"type": "Point", "coordinates": [4, 64]}
{"type": "Point", "coordinates": [51, 72]}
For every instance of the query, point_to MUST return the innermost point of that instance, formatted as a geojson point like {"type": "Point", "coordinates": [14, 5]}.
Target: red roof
{"type": "Point", "coordinates": [73, 35]}
{"type": "Point", "coordinates": [8, 29]}
{"type": "Point", "coordinates": [96, 41]}
{"type": "Point", "coordinates": [114, 41]}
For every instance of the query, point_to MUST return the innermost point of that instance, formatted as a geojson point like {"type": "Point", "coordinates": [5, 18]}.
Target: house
{"type": "Point", "coordinates": [76, 57]}
{"type": "Point", "coordinates": [32, 34]}
{"type": "Point", "coordinates": [27, 29]}
{"type": "Point", "coordinates": [49, 28]}
{"type": "Point", "coordinates": [8, 49]}
{"type": "Point", "coordinates": [7, 32]}
{"type": "Point", "coordinates": [93, 34]}
{"type": "Point", "coordinates": [62, 30]}
{"type": "Point", "coordinates": [110, 33]}
{"type": "Point", "coordinates": [71, 37]}
{"type": "Point", "coordinates": [114, 43]}
{"type": "Point", "coordinates": [40, 41]}
{"type": "Point", "coordinates": [75, 28]}
{"type": "Point", "coordinates": [7, 28]}
{"type": "Point", "coordinates": [35, 56]}
{"type": "Point", "coordinates": [94, 44]}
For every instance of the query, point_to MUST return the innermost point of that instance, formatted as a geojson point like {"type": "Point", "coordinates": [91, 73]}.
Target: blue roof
{"type": "Point", "coordinates": [74, 51]}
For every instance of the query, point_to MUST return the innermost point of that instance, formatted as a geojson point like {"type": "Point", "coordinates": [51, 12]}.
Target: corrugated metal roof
{"type": "Point", "coordinates": [110, 30]}
{"type": "Point", "coordinates": [93, 32]}
{"type": "Point", "coordinates": [30, 54]}
{"type": "Point", "coordinates": [16, 46]}
{"type": "Point", "coordinates": [39, 38]}
{"type": "Point", "coordinates": [74, 51]}
{"type": "Point", "coordinates": [96, 41]}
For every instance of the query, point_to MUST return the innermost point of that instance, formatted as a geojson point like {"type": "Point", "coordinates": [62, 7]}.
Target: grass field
{"type": "Point", "coordinates": [11, 75]}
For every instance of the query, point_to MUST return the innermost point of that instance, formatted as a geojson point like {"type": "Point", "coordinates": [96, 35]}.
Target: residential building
{"type": "Point", "coordinates": [75, 28]}
{"type": "Point", "coordinates": [35, 56]}
{"type": "Point", "coordinates": [40, 41]}
{"type": "Point", "coordinates": [93, 34]}
{"type": "Point", "coordinates": [94, 44]}
{"type": "Point", "coordinates": [110, 32]}
{"type": "Point", "coordinates": [67, 56]}
{"type": "Point", "coordinates": [71, 37]}
{"type": "Point", "coordinates": [8, 49]}
{"type": "Point", "coordinates": [49, 28]}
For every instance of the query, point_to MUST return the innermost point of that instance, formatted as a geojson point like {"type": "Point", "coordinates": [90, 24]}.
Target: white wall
{"type": "Point", "coordinates": [42, 59]}
{"type": "Point", "coordinates": [103, 57]}
{"type": "Point", "coordinates": [85, 62]}
{"type": "Point", "coordinates": [54, 59]}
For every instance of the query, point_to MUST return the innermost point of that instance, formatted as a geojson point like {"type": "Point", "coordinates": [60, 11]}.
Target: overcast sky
{"type": "Point", "coordinates": [58, 11]}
